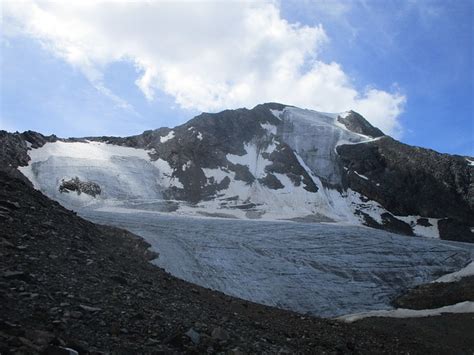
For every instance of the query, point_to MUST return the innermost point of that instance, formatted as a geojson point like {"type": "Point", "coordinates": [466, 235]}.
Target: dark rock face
{"type": "Point", "coordinates": [14, 150]}
{"type": "Point", "coordinates": [205, 141]}
{"type": "Point", "coordinates": [284, 161]}
{"type": "Point", "coordinates": [356, 123]}
{"type": "Point", "coordinates": [437, 294]}
{"type": "Point", "coordinates": [14, 147]}
{"type": "Point", "coordinates": [405, 180]}
{"type": "Point", "coordinates": [75, 184]}
{"type": "Point", "coordinates": [272, 182]}
{"type": "Point", "coordinates": [409, 180]}
{"type": "Point", "coordinates": [455, 229]}
{"type": "Point", "coordinates": [389, 223]}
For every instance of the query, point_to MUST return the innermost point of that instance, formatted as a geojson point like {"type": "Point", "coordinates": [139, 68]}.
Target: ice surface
{"type": "Point", "coordinates": [321, 269]}
{"type": "Point", "coordinates": [314, 136]}
{"type": "Point", "coordinates": [462, 307]}
{"type": "Point", "coordinates": [122, 173]}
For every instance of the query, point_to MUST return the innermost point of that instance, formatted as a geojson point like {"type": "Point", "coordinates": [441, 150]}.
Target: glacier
{"type": "Point", "coordinates": [319, 269]}
{"type": "Point", "coordinates": [314, 136]}
{"type": "Point", "coordinates": [323, 269]}
{"type": "Point", "coordinates": [127, 174]}
{"type": "Point", "coordinates": [123, 173]}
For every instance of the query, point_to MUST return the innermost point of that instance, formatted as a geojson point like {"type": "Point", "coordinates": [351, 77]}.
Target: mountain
{"type": "Point", "coordinates": [69, 286]}
{"type": "Point", "coordinates": [274, 161]}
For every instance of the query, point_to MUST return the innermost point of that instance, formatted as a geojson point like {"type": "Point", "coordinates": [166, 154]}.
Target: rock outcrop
{"type": "Point", "coordinates": [75, 184]}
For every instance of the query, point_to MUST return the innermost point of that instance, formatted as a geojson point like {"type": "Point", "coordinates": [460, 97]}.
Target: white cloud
{"type": "Point", "coordinates": [207, 55]}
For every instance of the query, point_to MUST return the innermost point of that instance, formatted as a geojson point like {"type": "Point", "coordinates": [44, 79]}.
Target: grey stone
{"type": "Point", "coordinates": [193, 335]}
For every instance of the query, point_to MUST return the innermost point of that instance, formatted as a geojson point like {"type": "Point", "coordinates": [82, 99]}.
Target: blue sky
{"type": "Point", "coordinates": [406, 65]}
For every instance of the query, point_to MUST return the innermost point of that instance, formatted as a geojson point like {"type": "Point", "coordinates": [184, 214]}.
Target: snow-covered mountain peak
{"type": "Point", "coordinates": [271, 162]}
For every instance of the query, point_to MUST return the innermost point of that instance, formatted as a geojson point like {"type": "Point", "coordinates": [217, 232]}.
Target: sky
{"type": "Point", "coordinates": [86, 68]}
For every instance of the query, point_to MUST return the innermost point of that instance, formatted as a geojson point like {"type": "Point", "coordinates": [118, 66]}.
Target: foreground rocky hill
{"type": "Point", "coordinates": [66, 283]}
{"type": "Point", "coordinates": [273, 162]}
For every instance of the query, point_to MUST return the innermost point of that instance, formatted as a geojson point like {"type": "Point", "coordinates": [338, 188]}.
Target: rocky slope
{"type": "Point", "coordinates": [273, 161]}
{"type": "Point", "coordinates": [415, 181]}
{"type": "Point", "coordinates": [70, 286]}
{"type": "Point", "coordinates": [437, 294]}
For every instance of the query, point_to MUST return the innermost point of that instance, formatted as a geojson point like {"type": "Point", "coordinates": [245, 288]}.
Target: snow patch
{"type": "Point", "coordinates": [165, 176]}
{"type": "Point", "coordinates": [166, 138]}
{"type": "Point", "coordinates": [199, 136]}
{"type": "Point", "coordinates": [217, 174]}
{"type": "Point", "coordinates": [93, 150]}
{"type": "Point", "coordinates": [361, 176]}
{"type": "Point", "coordinates": [462, 307]}
{"type": "Point", "coordinates": [429, 231]}
{"type": "Point", "coordinates": [458, 275]}
{"type": "Point", "coordinates": [253, 159]}
{"type": "Point", "coordinates": [371, 208]}
{"type": "Point", "coordinates": [271, 129]}
{"type": "Point", "coordinates": [277, 113]}
{"type": "Point", "coordinates": [470, 162]}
